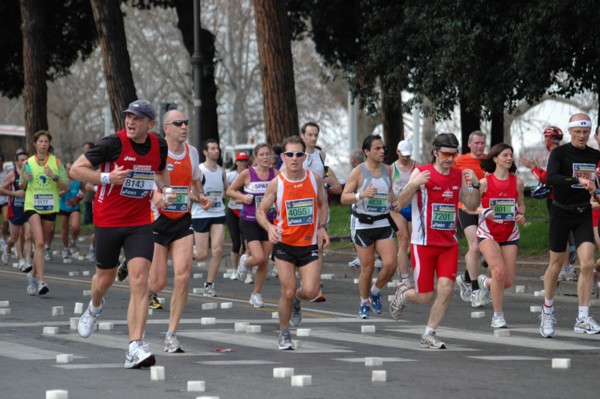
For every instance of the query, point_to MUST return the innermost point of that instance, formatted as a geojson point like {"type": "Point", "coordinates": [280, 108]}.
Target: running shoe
{"type": "Point", "coordinates": [586, 325]}
{"type": "Point", "coordinates": [91, 257]}
{"type": "Point", "coordinates": [153, 302]}
{"type": "Point", "coordinates": [363, 310]}
{"type": "Point", "coordinates": [476, 300]}
{"type": "Point", "coordinates": [66, 254]}
{"type": "Point", "coordinates": [376, 303]}
{"type": "Point", "coordinates": [285, 342]}
{"type": "Point", "coordinates": [397, 306]}
{"type": "Point", "coordinates": [23, 266]}
{"type": "Point", "coordinates": [32, 285]}
{"type": "Point", "coordinates": [354, 263]}
{"type": "Point", "coordinates": [42, 288]}
{"type": "Point", "coordinates": [47, 255]}
{"type": "Point", "coordinates": [498, 322]}
{"type": "Point", "coordinates": [122, 271]}
{"type": "Point", "coordinates": [209, 291]}
{"type": "Point", "coordinates": [242, 270]}
{"type": "Point", "coordinates": [465, 288]}
{"type": "Point", "coordinates": [139, 356]}
{"type": "Point", "coordinates": [172, 344]}
{"type": "Point", "coordinates": [256, 300]}
{"type": "Point", "coordinates": [296, 317]}
{"type": "Point", "coordinates": [249, 277]}
{"type": "Point", "coordinates": [378, 263]}
{"type": "Point", "coordinates": [2, 245]}
{"type": "Point", "coordinates": [484, 292]}
{"type": "Point", "coordinates": [320, 298]}
{"type": "Point", "coordinates": [430, 341]}
{"type": "Point", "coordinates": [87, 321]}
{"type": "Point", "coordinates": [547, 322]}
{"type": "Point", "coordinates": [5, 257]}
{"type": "Point", "coordinates": [275, 273]}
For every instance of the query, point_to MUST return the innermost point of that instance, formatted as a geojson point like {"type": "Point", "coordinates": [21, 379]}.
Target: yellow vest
{"type": "Point", "coordinates": [41, 195]}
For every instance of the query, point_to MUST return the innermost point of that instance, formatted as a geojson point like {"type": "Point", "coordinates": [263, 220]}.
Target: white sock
{"type": "Point", "coordinates": [429, 331]}
{"type": "Point", "coordinates": [584, 311]}
{"type": "Point", "coordinates": [362, 300]}
{"type": "Point", "coordinates": [374, 290]}
{"type": "Point", "coordinates": [94, 309]}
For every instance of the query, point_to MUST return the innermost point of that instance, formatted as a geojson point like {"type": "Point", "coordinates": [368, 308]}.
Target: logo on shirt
{"type": "Point", "coordinates": [170, 167]}
{"type": "Point", "coordinates": [128, 158]}
{"type": "Point", "coordinates": [448, 195]}
{"type": "Point", "coordinates": [436, 188]}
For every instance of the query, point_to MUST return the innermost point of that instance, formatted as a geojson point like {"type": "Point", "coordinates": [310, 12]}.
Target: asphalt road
{"type": "Point", "coordinates": [476, 364]}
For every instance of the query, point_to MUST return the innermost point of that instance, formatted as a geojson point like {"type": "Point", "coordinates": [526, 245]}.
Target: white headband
{"type": "Point", "coordinates": [583, 123]}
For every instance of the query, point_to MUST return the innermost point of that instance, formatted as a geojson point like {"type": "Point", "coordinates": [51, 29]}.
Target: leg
{"type": "Point", "coordinates": [201, 240]}
{"type": "Point", "coordinates": [181, 251]}
{"type": "Point", "coordinates": [287, 287]}
{"type": "Point", "coordinates": [442, 302]}
{"type": "Point", "coordinates": [35, 223]}
{"type": "Point", "coordinates": [75, 222]}
{"type": "Point", "coordinates": [217, 236]}
{"type": "Point", "coordinates": [403, 235]}
{"type": "Point", "coordinates": [158, 269]}
{"type": "Point", "coordinates": [366, 256]}
{"type": "Point", "coordinates": [585, 253]}
{"type": "Point", "coordinates": [473, 255]}
{"type": "Point", "coordinates": [552, 272]}
{"type": "Point", "coordinates": [387, 251]}
{"type": "Point", "coordinates": [64, 234]}
{"type": "Point", "coordinates": [137, 312]}
{"type": "Point", "coordinates": [261, 274]}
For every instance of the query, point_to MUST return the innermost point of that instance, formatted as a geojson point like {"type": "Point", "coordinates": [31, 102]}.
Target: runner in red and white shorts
{"type": "Point", "coordinates": [435, 190]}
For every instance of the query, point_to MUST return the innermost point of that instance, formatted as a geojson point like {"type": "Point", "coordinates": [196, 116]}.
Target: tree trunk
{"type": "Point", "coordinates": [469, 122]}
{"type": "Point", "coordinates": [209, 122]}
{"type": "Point", "coordinates": [35, 90]}
{"type": "Point", "coordinates": [427, 133]}
{"type": "Point", "coordinates": [276, 70]}
{"type": "Point", "coordinates": [117, 67]}
{"type": "Point", "coordinates": [393, 123]}
{"type": "Point", "coordinates": [497, 126]}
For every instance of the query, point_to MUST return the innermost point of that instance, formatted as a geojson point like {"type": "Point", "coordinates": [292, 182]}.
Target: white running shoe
{"type": "Point", "coordinates": [465, 289]}
{"type": "Point", "coordinates": [256, 300]}
{"type": "Point", "coordinates": [498, 322]}
{"type": "Point", "coordinates": [32, 285]}
{"type": "Point", "coordinates": [378, 263]}
{"type": "Point", "coordinates": [87, 321]}
{"type": "Point", "coordinates": [430, 341]}
{"type": "Point", "coordinates": [138, 355]}
{"type": "Point", "coordinates": [209, 291]}
{"type": "Point", "coordinates": [586, 325]}
{"type": "Point", "coordinates": [354, 263]}
{"type": "Point", "coordinates": [547, 322]}
{"type": "Point", "coordinates": [172, 344]}
{"type": "Point", "coordinates": [476, 300]}
{"type": "Point", "coordinates": [296, 317]}
{"type": "Point", "coordinates": [250, 276]}
{"type": "Point", "coordinates": [397, 306]}
{"type": "Point", "coordinates": [5, 257]}
{"type": "Point", "coordinates": [242, 270]}
{"type": "Point", "coordinates": [285, 342]}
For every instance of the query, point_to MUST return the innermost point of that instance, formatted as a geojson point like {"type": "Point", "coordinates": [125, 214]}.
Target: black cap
{"type": "Point", "coordinates": [141, 108]}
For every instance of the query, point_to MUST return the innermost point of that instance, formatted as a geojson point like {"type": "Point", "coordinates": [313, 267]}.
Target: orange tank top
{"type": "Point", "coordinates": [180, 171]}
{"type": "Point", "coordinates": [297, 210]}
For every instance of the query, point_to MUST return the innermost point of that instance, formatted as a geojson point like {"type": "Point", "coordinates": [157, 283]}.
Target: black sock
{"type": "Point", "coordinates": [474, 285]}
{"type": "Point", "coordinates": [466, 276]}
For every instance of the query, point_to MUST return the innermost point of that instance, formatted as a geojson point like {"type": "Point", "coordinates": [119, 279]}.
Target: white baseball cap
{"type": "Point", "coordinates": [405, 148]}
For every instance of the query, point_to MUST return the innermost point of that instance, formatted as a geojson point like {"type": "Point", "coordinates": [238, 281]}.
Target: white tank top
{"type": "Point", "coordinates": [214, 188]}
{"type": "Point", "coordinates": [375, 206]}
{"type": "Point", "coordinates": [314, 162]}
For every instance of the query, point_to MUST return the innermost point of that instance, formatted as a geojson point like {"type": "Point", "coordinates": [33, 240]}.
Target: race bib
{"type": "Point", "coordinates": [181, 203]}
{"type": "Point", "coordinates": [585, 171]}
{"type": "Point", "coordinates": [43, 202]}
{"type": "Point", "coordinates": [217, 197]}
{"type": "Point", "coordinates": [299, 212]}
{"type": "Point", "coordinates": [443, 217]}
{"type": "Point", "coordinates": [378, 203]}
{"type": "Point", "coordinates": [138, 184]}
{"type": "Point", "coordinates": [504, 209]}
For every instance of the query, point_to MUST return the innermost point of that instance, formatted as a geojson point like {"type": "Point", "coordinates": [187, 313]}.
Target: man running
{"type": "Point", "coordinates": [435, 190]}
{"type": "Point", "coordinates": [572, 173]}
{"type": "Point", "coordinates": [467, 282]}
{"type": "Point", "coordinates": [369, 191]}
{"type": "Point", "coordinates": [301, 206]}
{"type": "Point", "coordinates": [131, 161]}
{"type": "Point", "coordinates": [173, 228]}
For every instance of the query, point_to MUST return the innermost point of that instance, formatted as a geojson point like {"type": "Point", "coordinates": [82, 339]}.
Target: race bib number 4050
{"type": "Point", "coordinates": [443, 216]}
{"type": "Point", "coordinates": [300, 212]}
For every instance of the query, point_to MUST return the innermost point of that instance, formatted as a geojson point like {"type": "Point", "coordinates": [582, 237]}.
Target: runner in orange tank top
{"type": "Point", "coordinates": [297, 233]}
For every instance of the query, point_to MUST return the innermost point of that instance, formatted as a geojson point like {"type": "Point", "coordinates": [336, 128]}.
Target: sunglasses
{"type": "Point", "coordinates": [447, 155]}
{"type": "Point", "coordinates": [179, 122]}
{"type": "Point", "coordinates": [291, 154]}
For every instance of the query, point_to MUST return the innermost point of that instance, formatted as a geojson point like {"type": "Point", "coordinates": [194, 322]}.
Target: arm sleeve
{"type": "Point", "coordinates": [108, 149]}
{"type": "Point", "coordinates": [553, 178]}
{"type": "Point", "coordinates": [164, 153]}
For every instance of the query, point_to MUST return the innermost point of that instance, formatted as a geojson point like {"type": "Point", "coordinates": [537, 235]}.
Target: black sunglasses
{"type": "Point", "coordinates": [290, 154]}
{"type": "Point", "coordinates": [179, 122]}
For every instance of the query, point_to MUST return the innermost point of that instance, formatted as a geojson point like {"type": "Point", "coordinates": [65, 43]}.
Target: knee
{"type": "Point", "coordinates": [201, 253]}
{"type": "Point", "coordinates": [258, 259]}
{"type": "Point", "coordinates": [181, 279]}
{"type": "Point", "coordinates": [288, 293]}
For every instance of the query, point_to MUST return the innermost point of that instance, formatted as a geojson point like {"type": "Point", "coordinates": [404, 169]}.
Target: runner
{"type": "Point", "coordinates": [301, 205]}
{"type": "Point", "coordinates": [173, 224]}
{"type": "Point", "coordinates": [369, 191]}
{"type": "Point", "coordinates": [402, 169]}
{"type": "Point", "coordinates": [254, 181]}
{"type": "Point", "coordinates": [502, 207]}
{"type": "Point", "coordinates": [18, 225]}
{"type": "Point", "coordinates": [233, 213]}
{"type": "Point", "coordinates": [208, 218]}
{"type": "Point", "coordinates": [70, 215]}
{"type": "Point", "coordinates": [572, 173]}
{"type": "Point", "coordinates": [467, 282]}
{"type": "Point", "coordinates": [130, 162]}
{"type": "Point", "coordinates": [435, 190]}
{"type": "Point", "coordinates": [42, 176]}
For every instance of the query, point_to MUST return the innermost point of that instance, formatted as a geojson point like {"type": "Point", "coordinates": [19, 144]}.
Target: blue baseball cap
{"type": "Point", "coordinates": [141, 108]}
